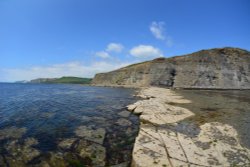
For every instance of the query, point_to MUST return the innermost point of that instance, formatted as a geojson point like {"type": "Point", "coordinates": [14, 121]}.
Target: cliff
{"type": "Point", "coordinates": [220, 68]}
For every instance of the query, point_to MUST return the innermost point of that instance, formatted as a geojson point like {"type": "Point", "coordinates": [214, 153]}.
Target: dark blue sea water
{"type": "Point", "coordinates": [48, 114]}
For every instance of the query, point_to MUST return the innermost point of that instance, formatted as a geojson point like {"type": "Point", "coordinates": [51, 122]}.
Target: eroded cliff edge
{"type": "Point", "coordinates": [221, 68]}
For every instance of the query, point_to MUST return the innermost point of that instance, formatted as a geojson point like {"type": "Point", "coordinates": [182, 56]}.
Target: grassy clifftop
{"type": "Point", "coordinates": [65, 80]}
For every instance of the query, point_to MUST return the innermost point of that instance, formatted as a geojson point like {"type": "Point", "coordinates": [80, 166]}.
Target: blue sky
{"type": "Point", "coordinates": [53, 38]}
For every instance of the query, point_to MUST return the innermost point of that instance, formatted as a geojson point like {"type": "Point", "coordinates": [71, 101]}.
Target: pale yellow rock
{"type": "Point", "coordinates": [177, 163]}
{"type": "Point", "coordinates": [131, 107]}
{"type": "Point", "coordinates": [160, 144]}
{"type": "Point", "coordinates": [67, 143]}
{"type": "Point", "coordinates": [194, 153]}
{"type": "Point", "coordinates": [172, 145]}
{"type": "Point", "coordinates": [148, 150]}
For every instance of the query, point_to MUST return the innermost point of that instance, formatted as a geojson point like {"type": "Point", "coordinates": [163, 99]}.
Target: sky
{"type": "Point", "coordinates": [54, 38]}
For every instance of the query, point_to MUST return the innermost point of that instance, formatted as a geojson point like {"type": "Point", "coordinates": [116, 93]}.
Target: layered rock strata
{"type": "Point", "coordinates": [223, 68]}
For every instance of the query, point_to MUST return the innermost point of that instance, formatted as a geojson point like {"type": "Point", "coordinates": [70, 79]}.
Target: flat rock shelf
{"type": "Point", "coordinates": [176, 131]}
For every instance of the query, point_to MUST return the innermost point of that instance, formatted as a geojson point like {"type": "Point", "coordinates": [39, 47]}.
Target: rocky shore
{"type": "Point", "coordinates": [165, 140]}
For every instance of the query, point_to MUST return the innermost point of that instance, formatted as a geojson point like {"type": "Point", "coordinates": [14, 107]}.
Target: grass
{"type": "Point", "coordinates": [69, 80]}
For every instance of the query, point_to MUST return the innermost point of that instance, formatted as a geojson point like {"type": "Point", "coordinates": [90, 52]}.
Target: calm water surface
{"type": "Point", "coordinates": [65, 125]}
{"type": "Point", "coordinates": [230, 107]}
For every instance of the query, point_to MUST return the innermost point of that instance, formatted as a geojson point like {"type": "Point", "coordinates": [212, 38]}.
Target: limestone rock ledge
{"type": "Point", "coordinates": [164, 140]}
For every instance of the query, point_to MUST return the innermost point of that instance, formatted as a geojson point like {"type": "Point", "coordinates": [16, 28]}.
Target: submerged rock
{"type": "Point", "coordinates": [85, 118]}
{"type": "Point", "coordinates": [124, 164]}
{"type": "Point", "coordinates": [30, 142]}
{"type": "Point", "coordinates": [47, 115]}
{"type": "Point", "coordinates": [99, 119]}
{"type": "Point", "coordinates": [42, 164]}
{"type": "Point", "coordinates": [95, 135]}
{"type": "Point", "coordinates": [2, 161]}
{"type": "Point", "coordinates": [123, 122]}
{"type": "Point", "coordinates": [67, 143]}
{"type": "Point", "coordinates": [12, 132]}
{"type": "Point", "coordinates": [93, 151]}
{"type": "Point", "coordinates": [74, 160]}
{"type": "Point", "coordinates": [124, 113]}
{"type": "Point", "coordinates": [56, 160]}
{"type": "Point", "coordinates": [21, 153]}
{"type": "Point", "coordinates": [12, 162]}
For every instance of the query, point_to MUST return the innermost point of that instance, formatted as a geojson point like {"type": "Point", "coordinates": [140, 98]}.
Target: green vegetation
{"type": "Point", "coordinates": [132, 65]}
{"type": "Point", "coordinates": [72, 80]}
{"type": "Point", "coordinates": [63, 80]}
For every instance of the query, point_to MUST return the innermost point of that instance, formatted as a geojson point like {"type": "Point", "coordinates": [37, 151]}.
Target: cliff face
{"type": "Point", "coordinates": [227, 68]}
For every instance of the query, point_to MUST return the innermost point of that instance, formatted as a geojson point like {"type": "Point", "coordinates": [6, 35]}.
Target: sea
{"type": "Point", "coordinates": [66, 125]}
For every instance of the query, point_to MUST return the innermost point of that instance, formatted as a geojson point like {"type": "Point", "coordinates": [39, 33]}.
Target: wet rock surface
{"type": "Point", "coordinates": [95, 152]}
{"type": "Point", "coordinates": [21, 153]}
{"type": "Point", "coordinates": [124, 113]}
{"type": "Point", "coordinates": [12, 132]}
{"type": "Point", "coordinates": [123, 122]}
{"type": "Point", "coordinates": [67, 143]}
{"type": "Point", "coordinates": [87, 148]}
{"type": "Point", "coordinates": [166, 139]}
{"type": "Point", "coordinates": [95, 135]}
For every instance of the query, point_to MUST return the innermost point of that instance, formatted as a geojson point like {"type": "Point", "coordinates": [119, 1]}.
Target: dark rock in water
{"type": "Point", "coordinates": [124, 122]}
{"type": "Point", "coordinates": [56, 160]}
{"type": "Point", "coordinates": [93, 151]}
{"type": "Point", "coordinates": [124, 164]}
{"type": "Point", "coordinates": [67, 143]}
{"type": "Point", "coordinates": [95, 135]}
{"type": "Point", "coordinates": [21, 154]}
{"type": "Point", "coordinates": [2, 161]}
{"type": "Point", "coordinates": [15, 162]}
{"type": "Point", "coordinates": [226, 68]}
{"type": "Point", "coordinates": [12, 132]}
{"type": "Point", "coordinates": [124, 113]}
{"type": "Point", "coordinates": [76, 161]}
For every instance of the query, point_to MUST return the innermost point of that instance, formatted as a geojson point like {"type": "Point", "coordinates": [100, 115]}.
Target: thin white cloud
{"type": "Point", "coordinates": [114, 47]}
{"type": "Point", "coordinates": [77, 69]}
{"type": "Point", "coordinates": [159, 32]}
{"type": "Point", "coordinates": [145, 51]}
{"type": "Point", "coordinates": [102, 54]}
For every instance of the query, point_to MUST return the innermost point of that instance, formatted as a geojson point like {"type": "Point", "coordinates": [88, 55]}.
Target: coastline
{"type": "Point", "coordinates": [164, 141]}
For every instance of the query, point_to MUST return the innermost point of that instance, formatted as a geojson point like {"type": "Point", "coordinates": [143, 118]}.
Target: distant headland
{"type": "Point", "coordinates": [62, 80]}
